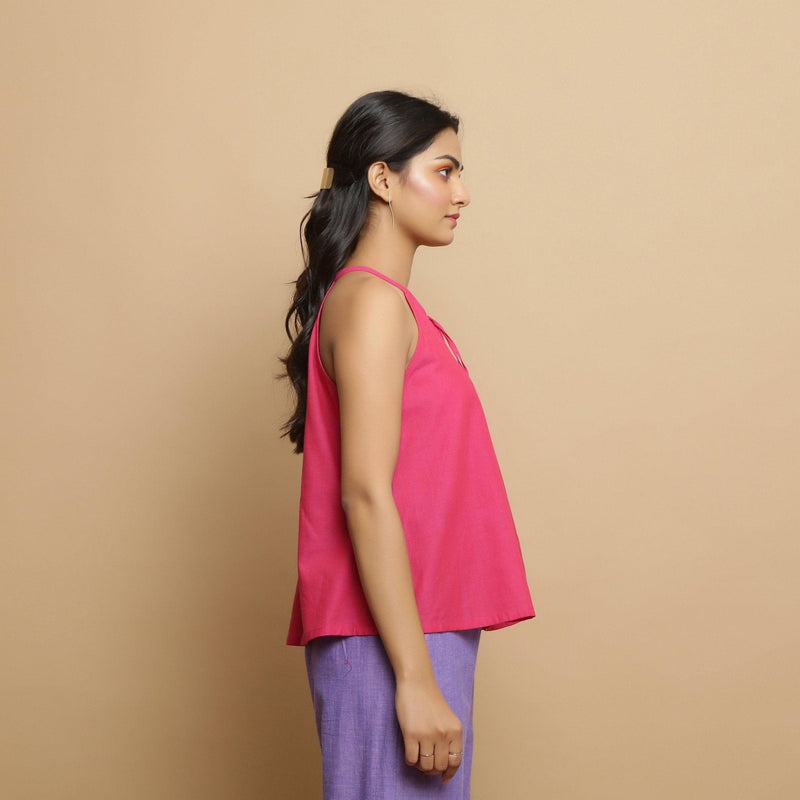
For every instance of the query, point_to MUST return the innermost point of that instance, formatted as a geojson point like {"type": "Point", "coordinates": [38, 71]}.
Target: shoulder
{"type": "Point", "coordinates": [368, 320]}
{"type": "Point", "coordinates": [362, 303]}
{"type": "Point", "coordinates": [362, 291]}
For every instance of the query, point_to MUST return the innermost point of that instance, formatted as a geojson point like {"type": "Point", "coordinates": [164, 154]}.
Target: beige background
{"type": "Point", "coordinates": [624, 287]}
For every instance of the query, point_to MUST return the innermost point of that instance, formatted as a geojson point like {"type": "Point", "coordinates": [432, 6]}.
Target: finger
{"type": "Point", "coordinates": [412, 752]}
{"type": "Point", "coordinates": [454, 758]}
{"type": "Point", "coordinates": [426, 758]}
{"type": "Point", "coordinates": [441, 759]}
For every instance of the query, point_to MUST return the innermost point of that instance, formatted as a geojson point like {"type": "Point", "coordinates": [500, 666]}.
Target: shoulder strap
{"type": "Point", "coordinates": [358, 268]}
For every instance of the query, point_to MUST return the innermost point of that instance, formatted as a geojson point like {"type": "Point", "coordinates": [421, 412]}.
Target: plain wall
{"type": "Point", "coordinates": [625, 290]}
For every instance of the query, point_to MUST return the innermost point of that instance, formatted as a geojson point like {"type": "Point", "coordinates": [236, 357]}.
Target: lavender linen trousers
{"type": "Point", "coordinates": [353, 688]}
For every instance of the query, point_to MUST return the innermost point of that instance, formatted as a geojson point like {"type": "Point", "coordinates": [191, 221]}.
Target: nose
{"type": "Point", "coordinates": [460, 194]}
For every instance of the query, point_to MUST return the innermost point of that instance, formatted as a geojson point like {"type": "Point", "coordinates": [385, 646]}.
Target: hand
{"type": "Point", "coordinates": [431, 731]}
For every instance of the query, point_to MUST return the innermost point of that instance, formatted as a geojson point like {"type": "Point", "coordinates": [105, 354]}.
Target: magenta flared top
{"type": "Point", "coordinates": [465, 556]}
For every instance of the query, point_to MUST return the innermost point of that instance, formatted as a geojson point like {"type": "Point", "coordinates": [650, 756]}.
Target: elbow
{"type": "Point", "coordinates": [358, 498]}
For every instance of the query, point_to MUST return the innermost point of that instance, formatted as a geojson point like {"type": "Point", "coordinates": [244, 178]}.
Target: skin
{"type": "Point", "coordinates": [367, 338]}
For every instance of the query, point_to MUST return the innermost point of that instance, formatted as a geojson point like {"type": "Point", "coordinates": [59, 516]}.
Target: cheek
{"type": "Point", "coordinates": [429, 191]}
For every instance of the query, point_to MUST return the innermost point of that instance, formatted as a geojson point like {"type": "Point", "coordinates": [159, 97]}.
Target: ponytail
{"type": "Point", "coordinates": [329, 234]}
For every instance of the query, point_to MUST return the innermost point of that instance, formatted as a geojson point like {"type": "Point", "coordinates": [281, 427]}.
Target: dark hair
{"type": "Point", "coordinates": [381, 126]}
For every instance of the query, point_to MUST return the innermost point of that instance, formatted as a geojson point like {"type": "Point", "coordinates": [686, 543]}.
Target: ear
{"type": "Point", "coordinates": [379, 177]}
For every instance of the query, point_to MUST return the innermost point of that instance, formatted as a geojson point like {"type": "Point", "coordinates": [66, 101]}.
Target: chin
{"type": "Point", "coordinates": [439, 241]}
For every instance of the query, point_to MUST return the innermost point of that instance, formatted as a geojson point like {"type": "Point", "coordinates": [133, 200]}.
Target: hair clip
{"type": "Point", "coordinates": [327, 178]}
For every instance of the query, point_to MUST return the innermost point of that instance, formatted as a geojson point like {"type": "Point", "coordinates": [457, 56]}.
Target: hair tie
{"type": "Point", "coordinates": [327, 178]}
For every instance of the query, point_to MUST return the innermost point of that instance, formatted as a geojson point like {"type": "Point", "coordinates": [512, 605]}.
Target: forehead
{"type": "Point", "coordinates": [445, 143]}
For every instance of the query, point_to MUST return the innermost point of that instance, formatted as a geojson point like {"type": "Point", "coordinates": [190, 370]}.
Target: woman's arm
{"type": "Point", "coordinates": [368, 334]}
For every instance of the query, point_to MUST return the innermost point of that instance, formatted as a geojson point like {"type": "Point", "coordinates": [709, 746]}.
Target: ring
{"type": "Point", "coordinates": [454, 755]}
{"type": "Point", "coordinates": [426, 755]}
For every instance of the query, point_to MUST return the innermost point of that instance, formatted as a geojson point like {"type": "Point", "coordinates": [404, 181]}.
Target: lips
{"type": "Point", "coordinates": [453, 217]}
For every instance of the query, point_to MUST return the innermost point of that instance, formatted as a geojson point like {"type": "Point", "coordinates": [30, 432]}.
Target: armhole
{"type": "Point", "coordinates": [315, 341]}
{"type": "Point", "coordinates": [318, 324]}
{"type": "Point", "coordinates": [415, 348]}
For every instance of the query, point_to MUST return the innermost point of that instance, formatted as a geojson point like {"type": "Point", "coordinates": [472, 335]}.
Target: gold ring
{"type": "Point", "coordinates": [454, 755]}
{"type": "Point", "coordinates": [426, 755]}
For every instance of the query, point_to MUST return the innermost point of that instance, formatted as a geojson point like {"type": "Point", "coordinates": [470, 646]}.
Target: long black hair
{"type": "Point", "coordinates": [381, 126]}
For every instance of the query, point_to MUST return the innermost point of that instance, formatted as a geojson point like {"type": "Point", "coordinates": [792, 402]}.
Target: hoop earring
{"type": "Point", "coordinates": [391, 210]}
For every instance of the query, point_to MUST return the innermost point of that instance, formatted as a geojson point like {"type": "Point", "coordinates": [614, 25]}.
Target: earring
{"type": "Point", "coordinates": [391, 210]}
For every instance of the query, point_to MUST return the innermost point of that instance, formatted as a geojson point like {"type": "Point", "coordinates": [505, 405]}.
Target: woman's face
{"type": "Point", "coordinates": [429, 194]}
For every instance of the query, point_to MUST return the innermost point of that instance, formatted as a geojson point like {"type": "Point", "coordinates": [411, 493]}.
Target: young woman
{"type": "Point", "coordinates": [407, 548]}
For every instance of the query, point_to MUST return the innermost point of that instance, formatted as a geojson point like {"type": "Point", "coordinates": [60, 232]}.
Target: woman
{"type": "Point", "coordinates": [407, 548]}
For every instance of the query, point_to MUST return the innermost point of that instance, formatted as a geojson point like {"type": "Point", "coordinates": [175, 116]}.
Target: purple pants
{"type": "Point", "coordinates": [353, 687]}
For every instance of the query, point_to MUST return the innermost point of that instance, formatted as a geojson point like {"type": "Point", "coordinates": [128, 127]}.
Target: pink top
{"type": "Point", "coordinates": [465, 557]}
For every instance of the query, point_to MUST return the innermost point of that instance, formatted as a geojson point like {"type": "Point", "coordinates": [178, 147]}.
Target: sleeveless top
{"type": "Point", "coordinates": [466, 563]}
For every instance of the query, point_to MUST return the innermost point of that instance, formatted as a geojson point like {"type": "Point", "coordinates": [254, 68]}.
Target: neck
{"type": "Point", "coordinates": [385, 249]}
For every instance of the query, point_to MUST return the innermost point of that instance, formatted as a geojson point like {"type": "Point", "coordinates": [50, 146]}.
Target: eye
{"type": "Point", "coordinates": [445, 171]}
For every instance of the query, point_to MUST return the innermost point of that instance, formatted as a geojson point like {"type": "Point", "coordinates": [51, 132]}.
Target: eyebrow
{"type": "Point", "coordinates": [456, 162]}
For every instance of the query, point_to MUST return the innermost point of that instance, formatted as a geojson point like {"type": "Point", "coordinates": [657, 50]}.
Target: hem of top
{"type": "Point", "coordinates": [494, 624]}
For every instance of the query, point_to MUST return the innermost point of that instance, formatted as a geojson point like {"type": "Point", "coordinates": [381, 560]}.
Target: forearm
{"type": "Point", "coordinates": [382, 557]}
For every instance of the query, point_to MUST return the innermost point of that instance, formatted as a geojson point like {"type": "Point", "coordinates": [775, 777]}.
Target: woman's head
{"type": "Point", "coordinates": [388, 127]}
{"type": "Point", "coordinates": [383, 126]}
